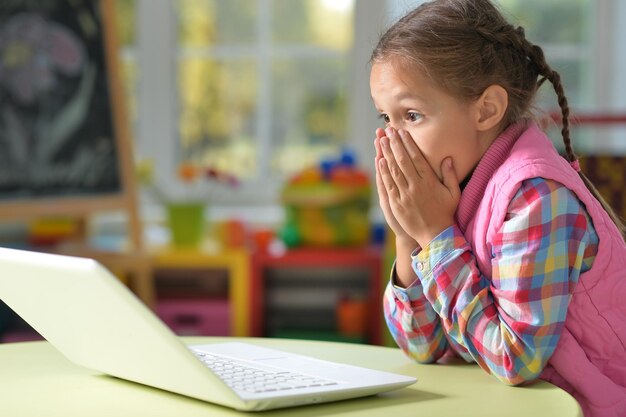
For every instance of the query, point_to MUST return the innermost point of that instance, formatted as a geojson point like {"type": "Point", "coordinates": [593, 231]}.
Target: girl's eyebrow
{"type": "Point", "coordinates": [410, 95]}
{"type": "Point", "coordinates": [405, 94]}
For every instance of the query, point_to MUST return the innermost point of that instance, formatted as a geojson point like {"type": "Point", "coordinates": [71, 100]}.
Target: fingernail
{"type": "Point", "coordinates": [449, 163]}
{"type": "Point", "coordinates": [389, 131]}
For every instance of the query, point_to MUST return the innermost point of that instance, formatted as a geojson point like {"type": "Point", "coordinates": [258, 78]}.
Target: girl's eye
{"type": "Point", "coordinates": [414, 116]}
{"type": "Point", "coordinates": [385, 118]}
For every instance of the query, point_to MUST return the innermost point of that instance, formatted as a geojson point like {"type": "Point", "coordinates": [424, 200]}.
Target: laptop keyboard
{"type": "Point", "coordinates": [243, 376]}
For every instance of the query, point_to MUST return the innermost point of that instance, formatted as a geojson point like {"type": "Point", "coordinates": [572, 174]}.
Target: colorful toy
{"type": "Point", "coordinates": [327, 205]}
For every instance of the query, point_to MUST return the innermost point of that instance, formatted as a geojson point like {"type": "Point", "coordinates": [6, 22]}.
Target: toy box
{"type": "Point", "coordinates": [195, 317]}
{"type": "Point", "coordinates": [327, 205]}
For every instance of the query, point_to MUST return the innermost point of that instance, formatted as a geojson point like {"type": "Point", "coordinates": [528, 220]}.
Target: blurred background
{"type": "Point", "coordinates": [255, 116]}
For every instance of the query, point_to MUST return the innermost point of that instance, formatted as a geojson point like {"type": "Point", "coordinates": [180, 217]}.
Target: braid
{"type": "Point", "coordinates": [555, 79]}
{"type": "Point", "coordinates": [535, 54]}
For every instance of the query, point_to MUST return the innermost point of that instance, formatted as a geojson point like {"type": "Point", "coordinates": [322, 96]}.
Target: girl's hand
{"type": "Point", "coordinates": [423, 205]}
{"type": "Point", "coordinates": [384, 199]}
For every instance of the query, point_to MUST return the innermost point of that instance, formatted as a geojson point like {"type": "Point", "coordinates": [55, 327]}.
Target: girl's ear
{"type": "Point", "coordinates": [491, 107]}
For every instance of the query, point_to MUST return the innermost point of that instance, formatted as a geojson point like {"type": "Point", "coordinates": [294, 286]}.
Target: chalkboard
{"type": "Point", "coordinates": [63, 130]}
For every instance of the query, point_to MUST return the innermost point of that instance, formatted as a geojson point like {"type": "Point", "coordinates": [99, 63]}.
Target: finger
{"type": "Point", "coordinates": [389, 183]}
{"type": "Point", "coordinates": [420, 163]}
{"type": "Point", "coordinates": [391, 164]}
{"type": "Point", "coordinates": [402, 158]}
{"type": "Point", "coordinates": [380, 186]}
{"type": "Point", "coordinates": [379, 152]}
{"type": "Point", "coordinates": [450, 179]}
{"type": "Point", "coordinates": [383, 198]}
{"type": "Point", "coordinates": [380, 133]}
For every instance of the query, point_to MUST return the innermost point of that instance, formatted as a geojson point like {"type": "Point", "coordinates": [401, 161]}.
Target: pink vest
{"type": "Point", "coordinates": [590, 359]}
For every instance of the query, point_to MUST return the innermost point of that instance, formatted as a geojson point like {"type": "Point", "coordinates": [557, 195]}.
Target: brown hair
{"type": "Point", "coordinates": [464, 46]}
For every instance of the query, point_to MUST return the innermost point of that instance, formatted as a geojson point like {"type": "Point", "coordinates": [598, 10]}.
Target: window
{"type": "Point", "coordinates": [270, 73]}
{"type": "Point", "coordinates": [255, 88]}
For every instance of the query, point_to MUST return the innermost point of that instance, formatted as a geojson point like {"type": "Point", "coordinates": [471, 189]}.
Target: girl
{"type": "Point", "coordinates": [506, 254]}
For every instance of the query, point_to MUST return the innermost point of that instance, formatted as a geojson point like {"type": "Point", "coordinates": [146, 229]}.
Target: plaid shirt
{"type": "Point", "coordinates": [509, 324]}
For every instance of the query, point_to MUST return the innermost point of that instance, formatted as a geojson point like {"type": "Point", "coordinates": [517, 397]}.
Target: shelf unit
{"type": "Point", "coordinates": [233, 265]}
{"type": "Point", "coordinates": [304, 285]}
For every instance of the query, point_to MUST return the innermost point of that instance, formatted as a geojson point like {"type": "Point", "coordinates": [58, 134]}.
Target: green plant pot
{"type": "Point", "coordinates": [186, 222]}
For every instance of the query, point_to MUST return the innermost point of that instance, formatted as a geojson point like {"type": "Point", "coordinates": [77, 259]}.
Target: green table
{"type": "Point", "coordinates": [36, 380]}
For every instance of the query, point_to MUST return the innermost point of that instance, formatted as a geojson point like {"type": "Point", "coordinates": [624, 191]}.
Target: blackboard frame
{"type": "Point", "coordinates": [125, 198]}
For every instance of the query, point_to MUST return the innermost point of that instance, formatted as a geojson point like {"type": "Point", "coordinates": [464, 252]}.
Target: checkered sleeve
{"type": "Point", "coordinates": [412, 322]}
{"type": "Point", "coordinates": [510, 324]}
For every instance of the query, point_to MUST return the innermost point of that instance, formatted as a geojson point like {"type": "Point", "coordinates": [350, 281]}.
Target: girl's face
{"type": "Point", "coordinates": [440, 125]}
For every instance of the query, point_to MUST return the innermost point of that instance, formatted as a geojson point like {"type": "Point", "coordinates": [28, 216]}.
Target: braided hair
{"type": "Point", "coordinates": [464, 46]}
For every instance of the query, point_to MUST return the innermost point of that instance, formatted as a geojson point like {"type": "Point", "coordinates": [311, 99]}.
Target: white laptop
{"type": "Point", "coordinates": [95, 321]}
